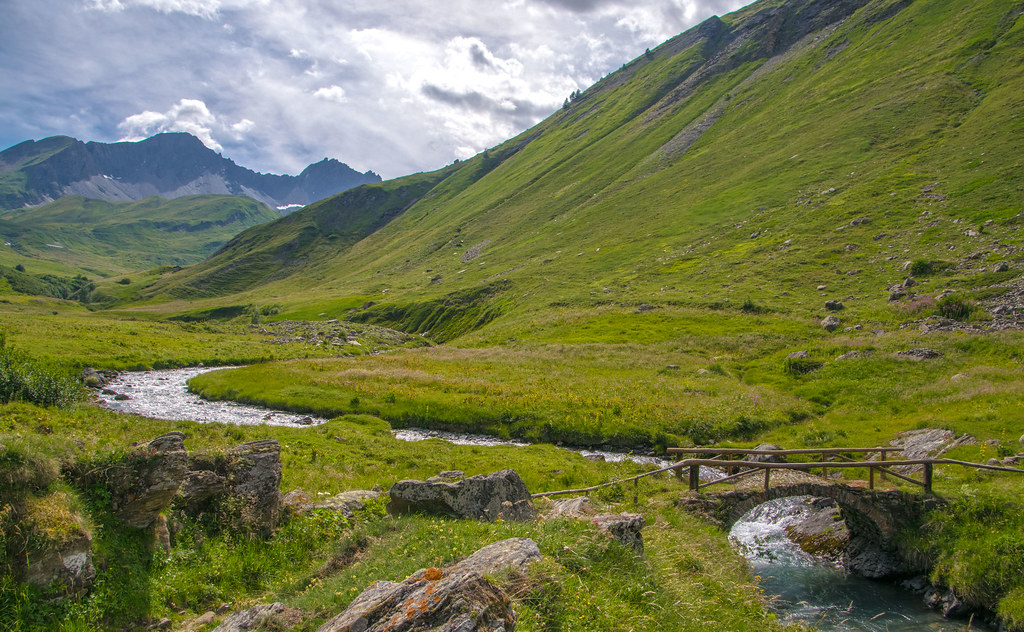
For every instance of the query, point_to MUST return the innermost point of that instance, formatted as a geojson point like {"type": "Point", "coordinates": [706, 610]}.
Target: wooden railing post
{"type": "Point", "coordinates": [767, 477]}
{"type": "Point", "coordinates": [694, 477]}
{"type": "Point", "coordinates": [824, 468]}
{"type": "Point", "coordinates": [871, 477]}
{"type": "Point", "coordinates": [883, 461]}
{"type": "Point", "coordinates": [928, 476]}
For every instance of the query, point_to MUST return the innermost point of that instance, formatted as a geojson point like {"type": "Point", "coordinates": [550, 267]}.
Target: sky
{"type": "Point", "coordinates": [392, 86]}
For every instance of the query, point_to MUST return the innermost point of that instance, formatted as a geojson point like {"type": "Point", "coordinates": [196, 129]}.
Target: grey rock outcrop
{"type": "Point", "coordinates": [624, 527]}
{"type": "Point", "coordinates": [70, 565]}
{"type": "Point", "coordinates": [578, 507]}
{"type": "Point", "coordinates": [260, 617]}
{"type": "Point", "coordinates": [920, 353]}
{"type": "Point", "coordinates": [148, 480]}
{"type": "Point", "coordinates": [244, 483]}
{"type": "Point", "coordinates": [823, 532]}
{"type": "Point", "coordinates": [831, 323]}
{"type": "Point", "coordinates": [485, 497]}
{"type": "Point", "coordinates": [834, 306]}
{"type": "Point", "coordinates": [459, 598]}
{"type": "Point", "coordinates": [765, 458]}
{"type": "Point", "coordinates": [299, 502]}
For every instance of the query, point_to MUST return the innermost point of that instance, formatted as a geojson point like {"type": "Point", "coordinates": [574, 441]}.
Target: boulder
{"type": "Point", "coordinates": [823, 532]}
{"type": "Point", "coordinates": [272, 616]}
{"type": "Point", "coordinates": [242, 484]}
{"type": "Point", "coordinates": [798, 354]}
{"type": "Point", "coordinates": [449, 476]}
{"type": "Point", "coordinates": [201, 485]}
{"type": "Point", "coordinates": [579, 507]}
{"type": "Point", "coordinates": [485, 497]}
{"type": "Point", "coordinates": [624, 527]}
{"type": "Point", "coordinates": [831, 323]}
{"type": "Point", "coordinates": [254, 477]}
{"type": "Point", "coordinates": [459, 598]}
{"type": "Point", "coordinates": [834, 306]}
{"type": "Point", "coordinates": [148, 480]}
{"type": "Point", "coordinates": [765, 458]}
{"type": "Point", "coordinates": [347, 502]}
{"type": "Point", "coordinates": [69, 565]}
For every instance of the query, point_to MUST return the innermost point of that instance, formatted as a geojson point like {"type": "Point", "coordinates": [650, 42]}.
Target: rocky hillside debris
{"type": "Point", "coordinates": [330, 332]}
{"type": "Point", "coordinates": [244, 482]}
{"type": "Point", "coordinates": [831, 323]}
{"type": "Point", "coordinates": [273, 616]}
{"type": "Point", "coordinates": [347, 503]}
{"type": "Point", "coordinates": [920, 353]}
{"type": "Point", "coordinates": [458, 598]}
{"type": "Point", "coordinates": [624, 527]}
{"type": "Point", "coordinates": [485, 497]}
{"type": "Point", "coordinates": [823, 533]}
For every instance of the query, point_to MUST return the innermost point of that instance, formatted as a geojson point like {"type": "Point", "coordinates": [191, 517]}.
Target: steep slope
{"type": "Point", "coordinates": [166, 165]}
{"type": "Point", "coordinates": [116, 237]}
{"type": "Point", "coordinates": [752, 159]}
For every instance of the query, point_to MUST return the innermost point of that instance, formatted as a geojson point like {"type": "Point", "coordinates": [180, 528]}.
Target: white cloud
{"type": "Point", "coordinates": [422, 82]}
{"type": "Point", "coordinates": [332, 93]}
{"type": "Point", "coordinates": [188, 115]}
{"type": "Point", "coordinates": [207, 9]}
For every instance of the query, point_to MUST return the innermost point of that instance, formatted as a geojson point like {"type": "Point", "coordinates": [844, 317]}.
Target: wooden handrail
{"type": "Point", "coordinates": [779, 452]}
{"type": "Point", "coordinates": [767, 467]}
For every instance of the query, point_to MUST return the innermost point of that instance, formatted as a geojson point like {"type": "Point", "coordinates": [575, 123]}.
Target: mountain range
{"type": "Point", "coordinates": [167, 165]}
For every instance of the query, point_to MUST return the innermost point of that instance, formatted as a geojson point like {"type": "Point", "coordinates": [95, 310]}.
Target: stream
{"type": "Point", "coordinates": [806, 590]}
{"type": "Point", "coordinates": [164, 395]}
{"type": "Point", "coordinates": [820, 595]}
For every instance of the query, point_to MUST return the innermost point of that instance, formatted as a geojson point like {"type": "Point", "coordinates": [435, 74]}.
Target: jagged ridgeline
{"type": "Point", "coordinates": [783, 146]}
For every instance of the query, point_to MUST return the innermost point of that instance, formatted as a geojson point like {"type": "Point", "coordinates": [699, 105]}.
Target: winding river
{"type": "Point", "coordinates": [806, 590]}
{"type": "Point", "coordinates": [164, 395]}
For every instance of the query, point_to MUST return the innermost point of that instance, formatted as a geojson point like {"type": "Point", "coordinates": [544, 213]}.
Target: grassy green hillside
{"type": "Point", "coordinates": [107, 238]}
{"type": "Point", "coordinates": [715, 170]}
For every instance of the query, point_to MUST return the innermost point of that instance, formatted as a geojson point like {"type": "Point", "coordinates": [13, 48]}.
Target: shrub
{"type": "Point", "coordinates": [921, 267]}
{"type": "Point", "coordinates": [800, 366]}
{"type": "Point", "coordinates": [750, 307]}
{"type": "Point", "coordinates": [954, 307]}
{"type": "Point", "coordinates": [22, 379]}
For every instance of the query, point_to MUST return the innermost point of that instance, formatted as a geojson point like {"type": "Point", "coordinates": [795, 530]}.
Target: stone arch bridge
{"type": "Point", "coordinates": [873, 517]}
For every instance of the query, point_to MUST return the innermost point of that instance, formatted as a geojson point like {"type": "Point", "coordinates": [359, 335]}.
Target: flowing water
{"type": "Point", "coordinates": [805, 589]}
{"type": "Point", "coordinates": [164, 395]}
{"type": "Point", "coordinates": [820, 595]}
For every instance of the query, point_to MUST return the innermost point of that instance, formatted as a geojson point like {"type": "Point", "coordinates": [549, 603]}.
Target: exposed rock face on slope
{"type": "Point", "coordinates": [167, 165]}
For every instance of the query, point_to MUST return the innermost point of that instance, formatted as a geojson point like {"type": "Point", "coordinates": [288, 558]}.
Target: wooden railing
{"type": "Point", "coordinates": [750, 467]}
{"type": "Point", "coordinates": [739, 469]}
